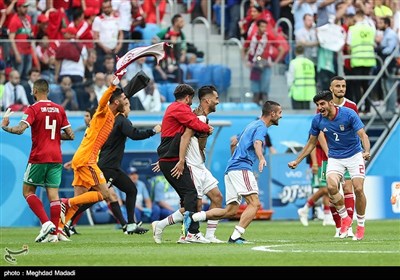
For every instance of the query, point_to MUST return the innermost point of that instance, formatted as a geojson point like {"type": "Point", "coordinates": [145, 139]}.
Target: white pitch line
{"type": "Point", "coordinates": [270, 249]}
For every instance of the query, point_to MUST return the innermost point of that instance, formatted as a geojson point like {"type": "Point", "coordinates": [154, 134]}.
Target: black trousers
{"type": "Point", "coordinates": [125, 184]}
{"type": "Point", "coordinates": [185, 188]}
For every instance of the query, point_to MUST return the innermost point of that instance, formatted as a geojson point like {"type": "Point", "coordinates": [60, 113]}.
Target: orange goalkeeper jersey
{"type": "Point", "coordinates": [97, 132]}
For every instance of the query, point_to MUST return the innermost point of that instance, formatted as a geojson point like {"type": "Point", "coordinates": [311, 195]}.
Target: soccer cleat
{"type": "Point", "coordinates": [239, 240]}
{"type": "Point", "coordinates": [213, 239]}
{"type": "Point", "coordinates": [350, 232]}
{"type": "Point", "coordinates": [67, 231]}
{"type": "Point", "coordinates": [72, 230]}
{"type": "Point", "coordinates": [50, 238]}
{"type": "Point", "coordinates": [47, 228]}
{"type": "Point", "coordinates": [196, 238]}
{"type": "Point", "coordinates": [182, 240]}
{"type": "Point", "coordinates": [137, 230]}
{"type": "Point", "coordinates": [187, 220]}
{"type": "Point", "coordinates": [64, 209]}
{"type": "Point", "coordinates": [328, 220]}
{"type": "Point", "coordinates": [62, 237]}
{"type": "Point", "coordinates": [157, 233]}
{"type": "Point", "coordinates": [360, 233]}
{"type": "Point", "coordinates": [140, 230]}
{"type": "Point", "coordinates": [346, 224]}
{"type": "Point", "coordinates": [130, 228]}
{"type": "Point", "coordinates": [303, 216]}
{"type": "Point", "coordinates": [337, 234]}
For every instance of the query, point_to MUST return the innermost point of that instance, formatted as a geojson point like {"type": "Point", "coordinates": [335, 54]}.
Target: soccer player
{"type": "Point", "coordinates": [177, 117]}
{"type": "Point", "coordinates": [192, 151]}
{"type": "Point", "coordinates": [239, 178]}
{"type": "Point", "coordinates": [110, 159]}
{"type": "Point", "coordinates": [87, 174]}
{"type": "Point", "coordinates": [338, 89]}
{"type": "Point", "coordinates": [341, 127]}
{"type": "Point", "coordinates": [44, 168]}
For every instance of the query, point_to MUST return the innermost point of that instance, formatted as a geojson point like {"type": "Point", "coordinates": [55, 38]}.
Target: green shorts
{"type": "Point", "coordinates": [319, 180]}
{"type": "Point", "coordinates": [43, 174]}
{"type": "Point", "coordinates": [322, 173]}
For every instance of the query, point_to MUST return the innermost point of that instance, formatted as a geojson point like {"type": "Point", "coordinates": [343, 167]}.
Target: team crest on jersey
{"type": "Point", "coordinates": [341, 127]}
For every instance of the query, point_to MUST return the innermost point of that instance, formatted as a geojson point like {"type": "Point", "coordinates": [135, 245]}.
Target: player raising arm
{"type": "Point", "coordinates": [343, 130]}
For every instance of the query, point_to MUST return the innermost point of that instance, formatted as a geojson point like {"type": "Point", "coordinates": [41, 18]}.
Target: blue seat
{"type": "Point", "coordinates": [163, 89]}
{"type": "Point", "coordinates": [221, 77]}
{"type": "Point", "coordinates": [200, 72]}
{"type": "Point", "coordinates": [170, 92]}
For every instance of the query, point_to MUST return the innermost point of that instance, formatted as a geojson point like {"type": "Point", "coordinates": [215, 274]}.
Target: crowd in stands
{"type": "Point", "coordinates": [74, 44]}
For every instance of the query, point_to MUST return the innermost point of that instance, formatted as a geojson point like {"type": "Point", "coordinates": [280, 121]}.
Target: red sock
{"type": "Point", "coordinates": [37, 207]}
{"type": "Point", "coordinates": [327, 209]}
{"type": "Point", "coordinates": [310, 203]}
{"type": "Point", "coordinates": [55, 209]}
{"type": "Point", "coordinates": [336, 217]}
{"type": "Point", "coordinates": [349, 203]}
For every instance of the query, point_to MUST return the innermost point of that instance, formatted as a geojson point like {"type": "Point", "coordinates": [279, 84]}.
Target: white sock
{"type": "Point", "coordinates": [237, 232]}
{"type": "Point", "coordinates": [171, 219]}
{"type": "Point", "coordinates": [211, 228]}
{"type": "Point", "coordinates": [361, 220]}
{"type": "Point", "coordinates": [199, 216]}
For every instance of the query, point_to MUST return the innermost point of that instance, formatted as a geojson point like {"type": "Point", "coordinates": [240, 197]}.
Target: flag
{"type": "Point", "coordinates": [156, 50]}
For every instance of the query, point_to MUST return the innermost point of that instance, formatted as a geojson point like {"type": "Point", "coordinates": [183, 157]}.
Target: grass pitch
{"type": "Point", "coordinates": [275, 243]}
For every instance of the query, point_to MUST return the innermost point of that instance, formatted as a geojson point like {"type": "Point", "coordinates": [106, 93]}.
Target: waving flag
{"type": "Point", "coordinates": [156, 50]}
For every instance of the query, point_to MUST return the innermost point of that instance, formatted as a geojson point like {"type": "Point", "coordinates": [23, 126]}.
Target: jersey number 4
{"type": "Point", "coordinates": [52, 126]}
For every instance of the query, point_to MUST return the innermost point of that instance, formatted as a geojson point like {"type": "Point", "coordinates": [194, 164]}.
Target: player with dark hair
{"type": "Point", "coordinates": [87, 174]}
{"type": "Point", "coordinates": [338, 89]}
{"type": "Point", "coordinates": [341, 127]}
{"type": "Point", "coordinates": [192, 152]}
{"type": "Point", "coordinates": [110, 159]}
{"type": "Point", "coordinates": [44, 168]}
{"type": "Point", "coordinates": [177, 117]}
{"type": "Point", "coordinates": [240, 181]}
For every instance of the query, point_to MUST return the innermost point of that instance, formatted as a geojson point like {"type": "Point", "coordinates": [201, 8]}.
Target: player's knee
{"type": "Point", "coordinates": [334, 198]}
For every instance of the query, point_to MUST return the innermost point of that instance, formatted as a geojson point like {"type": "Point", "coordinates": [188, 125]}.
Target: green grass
{"type": "Point", "coordinates": [276, 243]}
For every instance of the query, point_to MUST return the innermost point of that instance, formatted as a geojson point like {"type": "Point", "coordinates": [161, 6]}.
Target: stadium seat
{"type": "Point", "coordinates": [171, 90]}
{"type": "Point", "coordinates": [163, 89]}
{"type": "Point", "coordinates": [199, 74]}
{"type": "Point", "coordinates": [221, 77]}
